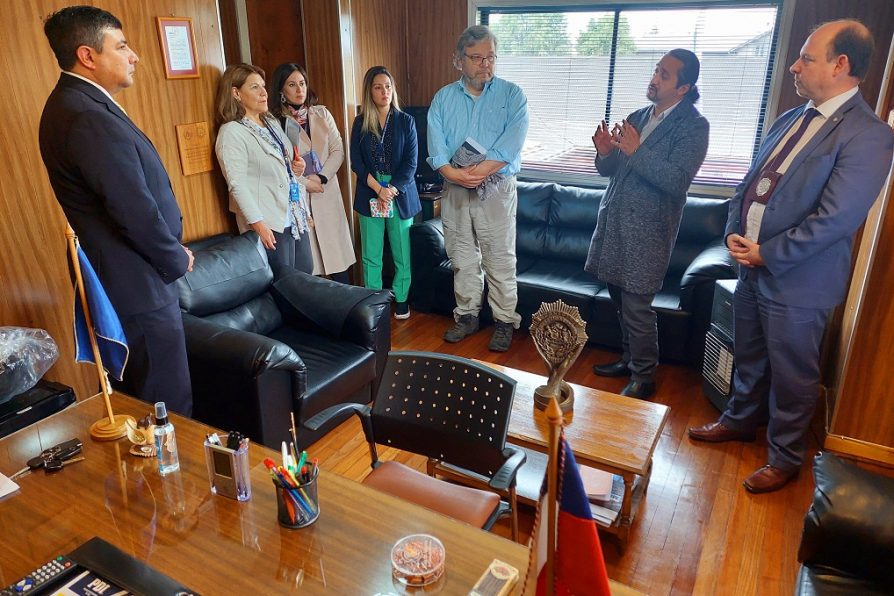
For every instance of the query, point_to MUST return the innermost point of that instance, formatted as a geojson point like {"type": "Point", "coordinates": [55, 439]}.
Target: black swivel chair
{"type": "Point", "coordinates": [451, 410]}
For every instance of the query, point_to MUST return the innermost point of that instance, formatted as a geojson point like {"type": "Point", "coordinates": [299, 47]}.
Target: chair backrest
{"type": "Point", "coordinates": [445, 407]}
{"type": "Point", "coordinates": [229, 284]}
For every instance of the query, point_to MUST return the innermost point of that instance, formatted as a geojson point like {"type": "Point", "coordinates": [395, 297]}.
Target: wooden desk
{"type": "Point", "coordinates": [606, 431]}
{"type": "Point", "coordinates": [213, 544]}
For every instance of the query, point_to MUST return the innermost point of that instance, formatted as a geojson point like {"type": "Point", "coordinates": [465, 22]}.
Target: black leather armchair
{"type": "Point", "coordinates": [261, 348]}
{"type": "Point", "coordinates": [847, 546]}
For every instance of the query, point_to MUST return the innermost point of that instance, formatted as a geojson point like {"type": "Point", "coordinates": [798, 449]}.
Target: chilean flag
{"type": "Point", "coordinates": [579, 565]}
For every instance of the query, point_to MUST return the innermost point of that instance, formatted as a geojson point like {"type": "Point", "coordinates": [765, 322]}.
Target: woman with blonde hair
{"type": "Point", "coordinates": [262, 170]}
{"type": "Point", "coordinates": [384, 152]}
{"type": "Point", "coordinates": [311, 128]}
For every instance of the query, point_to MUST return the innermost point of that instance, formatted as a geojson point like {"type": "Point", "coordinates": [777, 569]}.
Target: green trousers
{"type": "Point", "coordinates": [372, 242]}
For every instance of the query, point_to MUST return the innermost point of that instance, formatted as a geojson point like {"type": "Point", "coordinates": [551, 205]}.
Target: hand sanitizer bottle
{"type": "Point", "coordinates": [165, 442]}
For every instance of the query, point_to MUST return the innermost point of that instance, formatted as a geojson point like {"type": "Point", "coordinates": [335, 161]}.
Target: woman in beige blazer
{"type": "Point", "coordinates": [310, 127]}
{"type": "Point", "coordinates": [263, 174]}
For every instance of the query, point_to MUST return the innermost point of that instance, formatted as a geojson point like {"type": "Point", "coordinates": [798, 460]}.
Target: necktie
{"type": "Point", "coordinates": [762, 185]}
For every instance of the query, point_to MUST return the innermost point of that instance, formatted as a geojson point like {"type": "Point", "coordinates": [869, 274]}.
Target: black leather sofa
{"type": "Point", "coordinates": [847, 546]}
{"type": "Point", "coordinates": [554, 227]}
{"type": "Point", "coordinates": [261, 348]}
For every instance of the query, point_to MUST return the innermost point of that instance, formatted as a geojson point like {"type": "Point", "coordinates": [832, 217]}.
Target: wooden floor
{"type": "Point", "coordinates": [697, 532]}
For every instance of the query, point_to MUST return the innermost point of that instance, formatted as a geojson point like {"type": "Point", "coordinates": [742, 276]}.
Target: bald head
{"type": "Point", "coordinates": [853, 40]}
{"type": "Point", "coordinates": [833, 60]}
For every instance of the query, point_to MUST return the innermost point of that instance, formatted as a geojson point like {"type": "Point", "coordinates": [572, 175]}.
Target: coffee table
{"type": "Point", "coordinates": [606, 431]}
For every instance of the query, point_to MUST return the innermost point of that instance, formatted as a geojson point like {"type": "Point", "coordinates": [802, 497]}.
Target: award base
{"type": "Point", "coordinates": [565, 398]}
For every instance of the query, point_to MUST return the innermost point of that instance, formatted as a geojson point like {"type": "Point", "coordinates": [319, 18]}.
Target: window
{"type": "Point", "coordinates": [579, 64]}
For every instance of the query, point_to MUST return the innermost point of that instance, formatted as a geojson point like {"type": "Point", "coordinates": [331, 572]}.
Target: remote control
{"type": "Point", "coordinates": [31, 583]}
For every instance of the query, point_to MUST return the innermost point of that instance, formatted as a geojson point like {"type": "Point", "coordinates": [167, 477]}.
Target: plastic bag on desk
{"type": "Point", "coordinates": [25, 356]}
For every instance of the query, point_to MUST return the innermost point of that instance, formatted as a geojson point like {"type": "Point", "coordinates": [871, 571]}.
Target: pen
{"type": "Point", "coordinates": [285, 455]}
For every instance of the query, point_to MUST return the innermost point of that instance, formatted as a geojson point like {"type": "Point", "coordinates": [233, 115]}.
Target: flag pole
{"type": "Point", "coordinates": [111, 427]}
{"type": "Point", "coordinates": [554, 418]}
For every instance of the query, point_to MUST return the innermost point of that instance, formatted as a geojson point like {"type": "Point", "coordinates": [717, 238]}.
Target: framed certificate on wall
{"type": "Point", "coordinates": [178, 47]}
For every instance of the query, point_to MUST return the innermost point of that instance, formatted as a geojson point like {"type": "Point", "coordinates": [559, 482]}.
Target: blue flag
{"type": "Point", "coordinates": [106, 325]}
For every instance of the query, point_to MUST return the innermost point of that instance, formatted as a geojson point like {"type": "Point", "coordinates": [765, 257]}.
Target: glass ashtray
{"type": "Point", "coordinates": [417, 560]}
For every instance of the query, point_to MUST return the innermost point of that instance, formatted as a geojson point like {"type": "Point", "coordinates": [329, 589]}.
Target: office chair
{"type": "Point", "coordinates": [456, 413]}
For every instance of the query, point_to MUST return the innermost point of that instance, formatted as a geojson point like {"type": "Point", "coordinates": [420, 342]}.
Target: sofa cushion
{"type": "Point", "coordinates": [225, 275]}
{"type": "Point", "coordinates": [703, 222]}
{"type": "Point", "coordinates": [335, 368]}
{"type": "Point", "coordinates": [555, 222]}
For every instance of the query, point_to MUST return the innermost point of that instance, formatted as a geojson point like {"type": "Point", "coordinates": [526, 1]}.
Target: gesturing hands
{"type": "Point", "coordinates": [602, 139]}
{"type": "Point", "coordinates": [623, 136]}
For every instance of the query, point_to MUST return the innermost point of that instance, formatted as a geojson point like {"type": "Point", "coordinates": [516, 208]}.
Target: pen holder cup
{"type": "Point", "coordinates": [297, 507]}
{"type": "Point", "coordinates": [229, 470]}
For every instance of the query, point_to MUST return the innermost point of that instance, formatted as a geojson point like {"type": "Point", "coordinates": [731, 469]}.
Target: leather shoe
{"type": "Point", "coordinates": [639, 389]}
{"type": "Point", "coordinates": [715, 432]}
{"type": "Point", "coordinates": [618, 368]}
{"type": "Point", "coordinates": [769, 478]}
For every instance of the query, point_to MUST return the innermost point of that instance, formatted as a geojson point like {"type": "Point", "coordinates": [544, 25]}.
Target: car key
{"type": "Point", "coordinates": [54, 465]}
{"type": "Point", "coordinates": [62, 451]}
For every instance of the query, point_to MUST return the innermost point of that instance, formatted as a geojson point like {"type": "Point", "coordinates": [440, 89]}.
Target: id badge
{"type": "Point", "coordinates": [294, 192]}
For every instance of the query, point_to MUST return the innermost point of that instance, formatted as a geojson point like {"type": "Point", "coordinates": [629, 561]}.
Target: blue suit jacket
{"type": "Point", "coordinates": [808, 226]}
{"type": "Point", "coordinates": [405, 153]}
{"type": "Point", "coordinates": [116, 194]}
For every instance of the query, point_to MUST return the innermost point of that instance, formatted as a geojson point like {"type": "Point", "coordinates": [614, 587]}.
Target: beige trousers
{"type": "Point", "coordinates": [480, 241]}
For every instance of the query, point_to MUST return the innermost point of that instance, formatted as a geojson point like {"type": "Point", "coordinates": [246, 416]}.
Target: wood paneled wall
{"type": "Point", "coordinates": [35, 290]}
{"type": "Point", "coordinates": [283, 39]}
{"type": "Point", "coordinates": [863, 420]}
{"type": "Point", "coordinates": [433, 26]}
{"type": "Point", "coordinates": [380, 39]}
{"type": "Point", "coordinates": [329, 56]}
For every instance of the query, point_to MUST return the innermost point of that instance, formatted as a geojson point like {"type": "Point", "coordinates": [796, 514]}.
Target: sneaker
{"type": "Point", "coordinates": [502, 337]}
{"type": "Point", "coordinates": [402, 310]}
{"type": "Point", "coordinates": [463, 328]}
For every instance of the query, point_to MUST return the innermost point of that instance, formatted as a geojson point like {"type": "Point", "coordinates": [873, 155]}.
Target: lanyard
{"type": "Point", "coordinates": [272, 138]}
{"type": "Point", "coordinates": [380, 143]}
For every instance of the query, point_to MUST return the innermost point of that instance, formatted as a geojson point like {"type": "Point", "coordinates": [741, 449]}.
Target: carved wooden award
{"type": "Point", "coordinates": [558, 332]}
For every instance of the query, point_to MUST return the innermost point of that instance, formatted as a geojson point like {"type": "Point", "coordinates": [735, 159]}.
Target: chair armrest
{"type": "Point", "coordinates": [711, 264]}
{"type": "Point", "coordinates": [330, 308]}
{"type": "Point", "coordinates": [505, 476]}
{"type": "Point", "coordinates": [850, 525]}
{"type": "Point", "coordinates": [362, 411]}
{"type": "Point", "coordinates": [427, 251]}
{"type": "Point", "coordinates": [236, 350]}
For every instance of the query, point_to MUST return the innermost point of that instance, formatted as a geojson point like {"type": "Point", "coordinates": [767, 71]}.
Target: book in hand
{"type": "Point", "coordinates": [468, 154]}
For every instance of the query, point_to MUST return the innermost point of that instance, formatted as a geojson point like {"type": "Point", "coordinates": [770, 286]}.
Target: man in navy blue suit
{"type": "Point", "coordinates": [791, 227]}
{"type": "Point", "coordinates": [117, 196]}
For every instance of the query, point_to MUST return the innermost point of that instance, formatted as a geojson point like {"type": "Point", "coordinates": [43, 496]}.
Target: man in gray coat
{"type": "Point", "coordinates": [651, 159]}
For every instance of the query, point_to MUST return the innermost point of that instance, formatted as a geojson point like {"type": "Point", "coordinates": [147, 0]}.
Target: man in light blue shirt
{"type": "Point", "coordinates": [479, 228]}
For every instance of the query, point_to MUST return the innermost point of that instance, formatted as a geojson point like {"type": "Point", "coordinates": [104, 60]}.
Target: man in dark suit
{"type": "Point", "coordinates": [791, 226]}
{"type": "Point", "coordinates": [117, 196]}
{"type": "Point", "coordinates": [651, 159]}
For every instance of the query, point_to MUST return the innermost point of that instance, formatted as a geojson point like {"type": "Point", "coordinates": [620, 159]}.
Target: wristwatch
{"type": "Point", "coordinates": [323, 179]}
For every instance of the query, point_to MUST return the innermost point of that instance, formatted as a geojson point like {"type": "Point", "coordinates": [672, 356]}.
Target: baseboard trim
{"type": "Point", "coordinates": [862, 450]}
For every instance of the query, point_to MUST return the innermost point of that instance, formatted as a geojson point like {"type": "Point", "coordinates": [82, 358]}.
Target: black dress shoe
{"type": "Point", "coordinates": [639, 389]}
{"type": "Point", "coordinates": [618, 368]}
